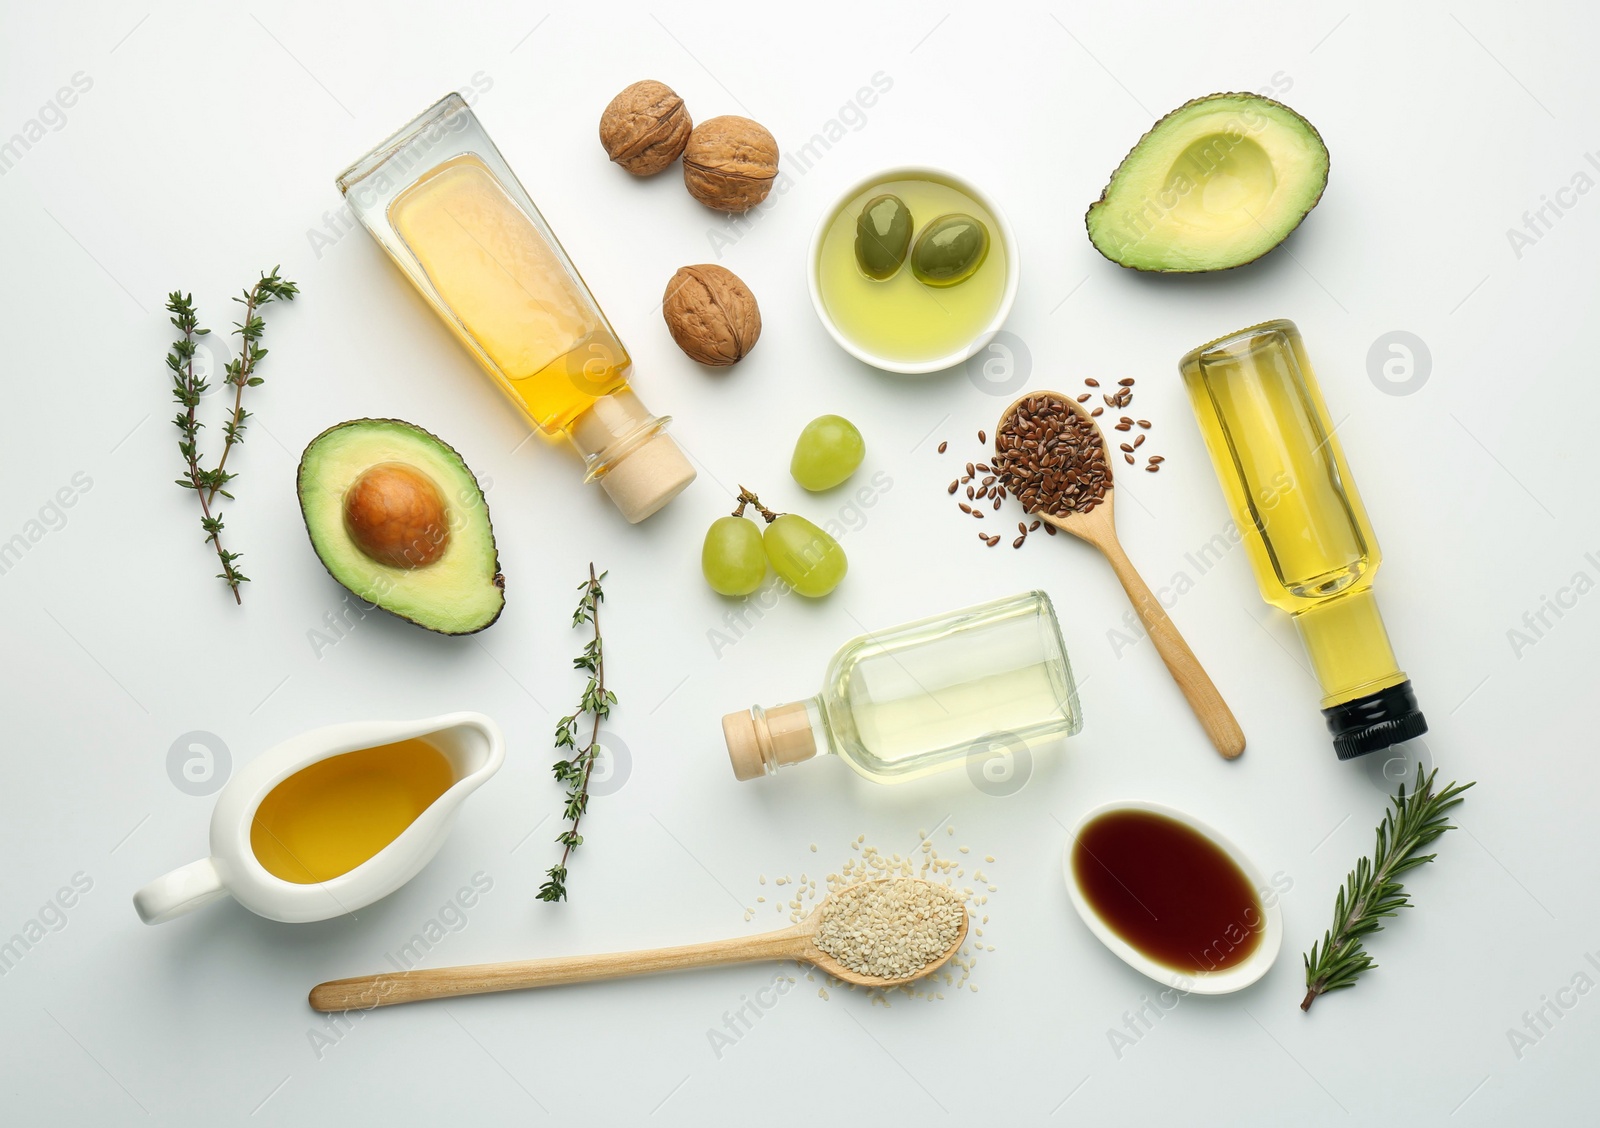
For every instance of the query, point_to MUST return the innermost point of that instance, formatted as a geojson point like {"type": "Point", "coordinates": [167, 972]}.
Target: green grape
{"type": "Point", "coordinates": [827, 452]}
{"type": "Point", "coordinates": [733, 558]}
{"type": "Point", "coordinates": [805, 557]}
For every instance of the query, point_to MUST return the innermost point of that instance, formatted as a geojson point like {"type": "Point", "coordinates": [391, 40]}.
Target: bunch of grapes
{"type": "Point", "coordinates": [736, 551]}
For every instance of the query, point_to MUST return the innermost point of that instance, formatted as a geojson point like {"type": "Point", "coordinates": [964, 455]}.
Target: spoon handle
{"type": "Point", "coordinates": [1213, 712]}
{"type": "Point", "coordinates": [387, 988]}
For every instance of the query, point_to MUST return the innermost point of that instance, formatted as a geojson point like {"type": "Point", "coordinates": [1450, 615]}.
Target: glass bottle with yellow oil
{"type": "Point", "coordinates": [441, 200]}
{"type": "Point", "coordinates": [1304, 528]}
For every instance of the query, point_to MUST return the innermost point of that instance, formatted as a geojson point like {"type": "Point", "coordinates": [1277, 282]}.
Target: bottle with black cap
{"type": "Point", "coordinates": [1302, 524]}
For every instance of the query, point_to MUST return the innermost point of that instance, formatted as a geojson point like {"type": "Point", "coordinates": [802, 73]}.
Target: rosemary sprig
{"type": "Point", "coordinates": [187, 390]}
{"type": "Point", "coordinates": [1373, 890]}
{"type": "Point", "coordinates": [596, 704]}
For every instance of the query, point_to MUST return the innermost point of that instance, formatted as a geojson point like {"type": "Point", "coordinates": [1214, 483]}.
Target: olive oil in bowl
{"type": "Point", "coordinates": [329, 817]}
{"type": "Point", "coordinates": [901, 322]}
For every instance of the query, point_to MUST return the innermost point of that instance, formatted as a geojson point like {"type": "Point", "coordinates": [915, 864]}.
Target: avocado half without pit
{"type": "Point", "coordinates": [1215, 184]}
{"type": "Point", "coordinates": [396, 517]}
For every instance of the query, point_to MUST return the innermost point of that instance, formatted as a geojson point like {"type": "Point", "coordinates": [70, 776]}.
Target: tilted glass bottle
{"type": "Point", "coordinates": [1303, 525]}
{"type": "Point", "coordinates": [898, 704]}
{"type": "Point", "coordinates": [441, 200]}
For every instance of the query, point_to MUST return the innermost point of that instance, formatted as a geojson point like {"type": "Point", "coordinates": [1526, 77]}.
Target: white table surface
{"type": "Point", "coordinates": [204, 149]}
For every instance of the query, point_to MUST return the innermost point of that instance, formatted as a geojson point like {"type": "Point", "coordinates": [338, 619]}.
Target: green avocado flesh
{"type": "Point", "coordinates": [459, 592]}
{"type": "Point", "coordinates": [1217, 183]}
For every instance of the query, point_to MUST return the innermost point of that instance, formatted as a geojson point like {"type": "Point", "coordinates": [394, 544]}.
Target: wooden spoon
{"type": "Point", "coordinates": [1098, 527]}
{"type": "Point", "coordinates": [797, 942]}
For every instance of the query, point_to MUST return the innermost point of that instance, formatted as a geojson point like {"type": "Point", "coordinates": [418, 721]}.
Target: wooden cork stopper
{"type": "Point", "coordinates": [647, 477]}
{"type": "Point", "coordinates": [761, 740]}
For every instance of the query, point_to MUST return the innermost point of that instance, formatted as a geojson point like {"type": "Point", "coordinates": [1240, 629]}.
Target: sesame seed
{"type": "Point", "coordinates": [890, 928]}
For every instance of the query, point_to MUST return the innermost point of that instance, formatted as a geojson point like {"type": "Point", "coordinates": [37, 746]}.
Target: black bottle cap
{"type": "Point", "coordinates": [1375, 721]}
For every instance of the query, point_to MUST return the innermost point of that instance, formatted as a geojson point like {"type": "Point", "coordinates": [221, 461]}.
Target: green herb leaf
{"type": "Point", "coordinates": [594, 703]}
{"type": "Point", "coordinates": [187, 390]}
{"type": "Point", "coordinates": [1372, 892]}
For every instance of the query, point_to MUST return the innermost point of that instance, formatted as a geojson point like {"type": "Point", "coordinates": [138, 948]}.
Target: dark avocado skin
{"type": "Point", "coordinates": [1195, 102]}
{"type": "Point", "coordinates": [498, 579]}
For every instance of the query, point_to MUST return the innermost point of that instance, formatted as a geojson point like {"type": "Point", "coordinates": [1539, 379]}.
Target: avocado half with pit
{"type": "Point", "coordinates": [397, 517]}
{"type": "Point", "coordinates": [1215, 184]}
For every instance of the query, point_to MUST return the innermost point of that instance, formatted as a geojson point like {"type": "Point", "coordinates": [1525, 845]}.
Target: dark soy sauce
{"type": "Point", "coordinates": [1168, 891]}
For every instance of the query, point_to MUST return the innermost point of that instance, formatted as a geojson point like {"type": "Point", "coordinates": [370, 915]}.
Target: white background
{"type": "Point", "coordinates": [206, 149]}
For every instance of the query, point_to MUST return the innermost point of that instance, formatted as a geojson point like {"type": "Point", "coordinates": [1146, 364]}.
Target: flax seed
{"type": "Point", "coordinates": [1051, 458]}
{"type": "Point", "coordinates": [954, 486]}
{"type": "Point", "coordinates": [944, 446]}
{"type": "Point", "coordinates": [1126, 382]}
{"type": "Point", "coordinates": [1145, 423]}
{"type": "Point", "coordinates": [1091, 382]}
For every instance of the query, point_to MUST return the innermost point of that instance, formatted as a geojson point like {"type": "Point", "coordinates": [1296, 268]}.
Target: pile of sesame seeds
{"type": "Point", "coordinates": [891, 928]}
{"type": "Point", "coordinates": [969, 885]}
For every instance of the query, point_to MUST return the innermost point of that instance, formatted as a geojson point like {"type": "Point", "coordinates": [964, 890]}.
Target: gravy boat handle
{"type": "Point", "coordinates": [181, 891]}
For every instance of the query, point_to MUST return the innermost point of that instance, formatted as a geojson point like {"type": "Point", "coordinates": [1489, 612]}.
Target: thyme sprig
{"type": "Point", "coordinates": [187, 390]}
{"type": "Point", "coordinates": [1373, 891]}
{"type": "Point", "coordinates": [596, 703]}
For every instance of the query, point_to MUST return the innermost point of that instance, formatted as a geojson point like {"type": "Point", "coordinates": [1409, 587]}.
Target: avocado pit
{"type": "Point", "coordinates": [395, 515]}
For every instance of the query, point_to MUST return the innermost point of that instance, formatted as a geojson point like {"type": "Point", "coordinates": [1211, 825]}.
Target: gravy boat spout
{"type": "Point", "coordinates": [469, 743]}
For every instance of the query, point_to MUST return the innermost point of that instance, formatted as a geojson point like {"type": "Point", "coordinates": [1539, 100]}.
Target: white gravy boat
{"type": "Point", "coordinates": [470, 741]}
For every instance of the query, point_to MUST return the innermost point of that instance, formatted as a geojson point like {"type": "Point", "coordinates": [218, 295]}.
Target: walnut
{"type": "Point", "coordinates": [645, 127]}
{"type": "Point", "coordinates": [730, 163]}
{"type": "Point", "coordinates": [711, 314]}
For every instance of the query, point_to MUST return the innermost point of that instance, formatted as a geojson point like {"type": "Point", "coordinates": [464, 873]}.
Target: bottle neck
{"type": "Point", "coordinates": [610, 429]}
{"type": "Point", "coordinates": [629, 451]}
{"type": "Point", "coordinates": [761, 741]}
{"type": "Point", "coordinates": [1349, 647]}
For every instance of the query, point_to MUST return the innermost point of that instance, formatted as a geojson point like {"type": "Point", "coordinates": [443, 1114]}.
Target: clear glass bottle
{"type": "Point", "coordinates": [441, 200]}
{"type": "Point", "coordinates": [912, 700]}
{"type": "Point", "coordinates": [1304, 528]}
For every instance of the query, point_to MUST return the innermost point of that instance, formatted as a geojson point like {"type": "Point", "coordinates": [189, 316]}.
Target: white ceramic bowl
{"type": "Point", "coordinates": [1007, 239]}
{"type": "Point", "coordinates": [1222, 982]}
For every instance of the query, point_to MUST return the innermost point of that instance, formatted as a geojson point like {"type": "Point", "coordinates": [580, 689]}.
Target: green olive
{"type": "Point", "coordinates": [883, 232]}
{"type": "Point", "coordinates": [950, 250]}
